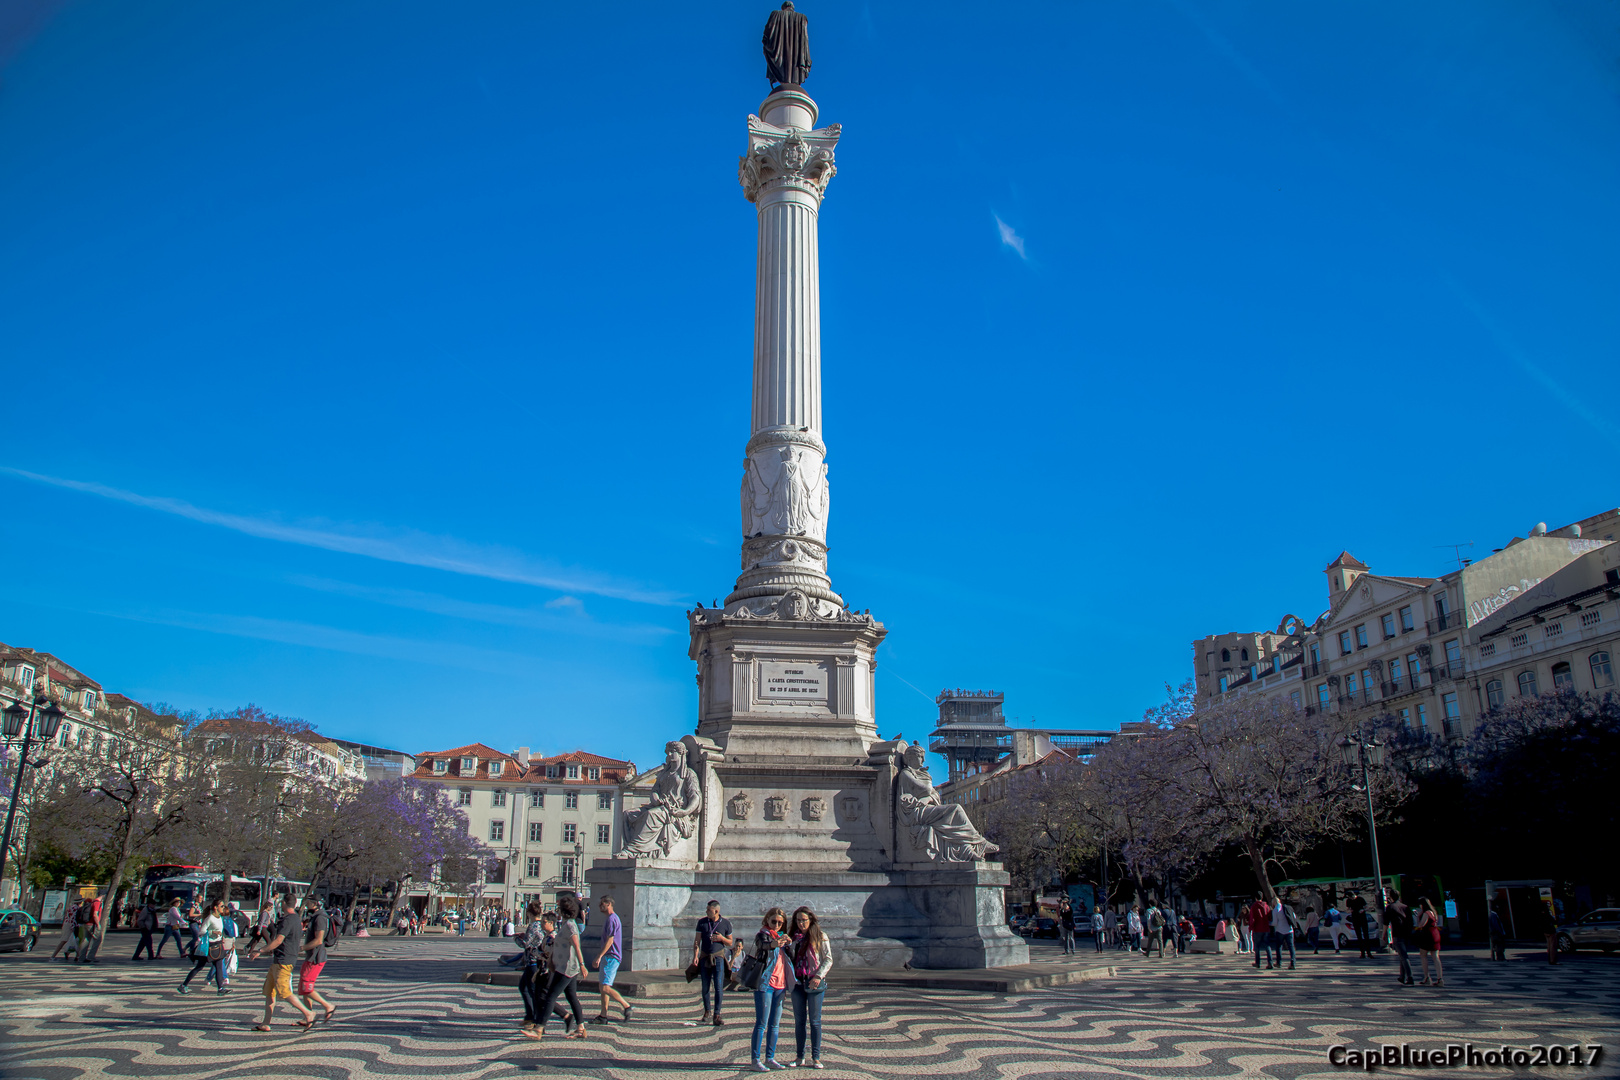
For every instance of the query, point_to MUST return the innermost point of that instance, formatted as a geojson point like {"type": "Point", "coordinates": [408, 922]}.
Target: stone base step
{"type": "Point", "coordinates": [1005, 980]}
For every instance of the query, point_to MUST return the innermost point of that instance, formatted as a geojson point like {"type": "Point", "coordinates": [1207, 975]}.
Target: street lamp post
{"type": "Point", "coordinates": [25, 721]}
{"type": "Point", "coordinates": [1368, 753]}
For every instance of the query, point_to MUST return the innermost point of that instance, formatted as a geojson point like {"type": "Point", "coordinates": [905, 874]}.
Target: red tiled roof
{"type": "Point", "coordinates": [1348, 561]}
{"type": "Point", "coordinates": [484, 754]}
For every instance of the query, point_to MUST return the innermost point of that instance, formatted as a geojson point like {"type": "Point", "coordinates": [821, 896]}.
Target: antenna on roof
{"type": "Point", "coordinates": [1456, 552]}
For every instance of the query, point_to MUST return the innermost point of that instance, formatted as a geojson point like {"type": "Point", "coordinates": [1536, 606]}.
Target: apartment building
{"type": "Point", "coordinates": [542, 819]}
{"type": "Point", "coordinates": [1394, 644]}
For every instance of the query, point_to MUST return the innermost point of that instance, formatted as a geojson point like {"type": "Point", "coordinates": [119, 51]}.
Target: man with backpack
{"type": "Point", "coordinates": [146, 922]}
{"type": "Point", "coordinates": [1155, 932]}
{"type": "Point", "coordinates": [320, 935]}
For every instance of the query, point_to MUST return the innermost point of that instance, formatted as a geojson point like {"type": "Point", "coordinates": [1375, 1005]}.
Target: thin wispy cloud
{"type": "Point", "coordinates": [406, 546]}
{"type": "Point", "coordinates": [1010, 237]}
{"type": "Point", "coordinates": [564, 614]}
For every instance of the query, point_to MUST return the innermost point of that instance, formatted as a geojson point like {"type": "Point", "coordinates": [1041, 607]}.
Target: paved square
{"type": "Point", "coordinates": [403, 1012]}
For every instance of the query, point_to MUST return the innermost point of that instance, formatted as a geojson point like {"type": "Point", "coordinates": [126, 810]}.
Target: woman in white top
{"type": "Point", "coordinates": [211, 949]}
{"type": "Point", "coordinates": [811, 952]}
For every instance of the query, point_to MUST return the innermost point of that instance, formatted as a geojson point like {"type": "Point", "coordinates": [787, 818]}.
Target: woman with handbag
{"type": "Point", "coordinates": [769, 974]}
{"type": "Point", "coordinates": [567, 963]}
{"type": "Point", "coordinates": [812, 959]}
{"type": "Point", "coordinates": [537, 941]}
{"type": "Point", "coordinates": [1426, 936]}
{"type": "Point", "coordinates": [210, 950]}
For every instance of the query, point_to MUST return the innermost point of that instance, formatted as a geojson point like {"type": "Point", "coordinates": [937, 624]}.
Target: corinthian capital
{"type": "Point", "coordinates": [787, 157]}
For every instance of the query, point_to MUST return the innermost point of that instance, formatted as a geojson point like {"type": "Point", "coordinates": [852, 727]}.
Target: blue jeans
{"type": "Point", "coordinates": [767, 1018]}
{"type": "Point", "coordinates": [178, 942]}
{"type": "Point", "coordinates": [807, 1015]}
{"type": "Point", "coordinates": [714, 973]}
{"type": "Point", "coordinates": [1278, 940]}
{"type": "Point", "coordinates": [1263, 940]}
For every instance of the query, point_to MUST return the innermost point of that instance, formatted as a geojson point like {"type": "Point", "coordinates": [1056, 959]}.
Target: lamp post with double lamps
{"type": "Point", "coordinates": [45, 716]}
{"type": "Point", "coordinates": [1368, 753]}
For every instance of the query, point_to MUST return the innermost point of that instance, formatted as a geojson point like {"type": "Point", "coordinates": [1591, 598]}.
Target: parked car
{"type": "Point", "coordinates": [1598, 929]}
{"type": "Point", "coordinates": [1041, 926]}
{"type": "Point", "coordinates": [18, 931]}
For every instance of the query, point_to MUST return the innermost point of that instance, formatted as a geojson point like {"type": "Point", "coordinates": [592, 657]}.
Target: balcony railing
{"type": "Point", "coordinates": [1451, 620]}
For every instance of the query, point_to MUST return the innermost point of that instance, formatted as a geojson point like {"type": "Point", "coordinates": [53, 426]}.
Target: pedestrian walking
{"type": "Point", "coordinates": [1155, 932]}
{"type": "Point", "coordinates": [567, 964]}
{"type": "Point", "coordinates": [538, 938]}
{"type": "Point", "coordinates": [1426, 933]}
{"type": "Point", "coordinates": [1133, 924]}
{"type": "Point", "coordinates": [318, 931]}
{"type": "Point", "coordinates": [1283, 924]}
{"type": "Point", "coordinates": [1399, 917]}
{"type": "Point", "coordinates": [1548, 924]}
{"type": "Point", "coordinates": [146, 923]}
{"type": "Point", "coordinates": [714, 937]}
{"type": "Point", "coordinates": [812, 960]}
{"type": "Point", "coordinates": [91, 929]}
{"type": "Point", "coordinates": [262, 929]}
{"type": "Point", "coordinates": [194, 921]}
{"type": "Point", "coordinates": [210, 951]}
{"type": "Point", "coordinates": [70, 932]}
{"type": "Point", "coordinates": [174, 920]}
{"type": "Point", "coordinates": [284, 947]}
{"type": "Point", "coordinates": [775, 980]}
{"type": "Point", "coordinates": [1096, 929]}
{"type": "Point", "coordinates": [1313, 930]}
{"type": "Point", "coordinates": [607, 961]}
{"type": "Point", "coordinates": [1360, 922]}
{"type": "Point", "coordinates": [1259, 927]}
{"type": "Point", "coordinates": [1066, 925]}
{"type": "Point", "coordinates": [1498, 934]}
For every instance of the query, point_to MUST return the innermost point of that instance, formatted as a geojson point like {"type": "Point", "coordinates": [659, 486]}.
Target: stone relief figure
{"type": "Point", "coordinates": [672, 814]}
{"type": "Point", "coordinates": [939, 828]}
{"type": "Point", "coordinates": [787, 47]}
{"type": "Point", "coordinates": [792, 503]}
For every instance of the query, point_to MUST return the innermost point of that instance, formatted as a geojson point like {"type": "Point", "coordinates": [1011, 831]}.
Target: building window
{"type": "Point", "coordinates": [604, 800]}
{"type": "Point", "coordinates": [469, 765]}
{"type": "Point", "coordinates": [1414, 667]}
{"type": "Point", "coordinates": [603, 834]}
{"type": "Point", "coordinates": [1322, 696]}
{"type": "Point", "coordinates": [495, 768]}
{"type": "Point", "coordinates": [571, 800]}
{"type": "Point", "coordinates": [537, 831]}
{"type": "Point", "coordinates": [1294, 697]}
{"type": "Point", "coordinates": [1389, 627]}
{"type": "Point", "coordinates": [596, 772]}
{"type": "Point", "coordinates": [497, 830]}
{"type": "Point", "coordinates": [573, 771]}
{"type": "Point", "coordinates": [1452, 716]}
{"type": "Point", "coordinates": [1493, 694]}
{"type": "Point", "coordinates": [1223, 684]}
{"type": "Point", "coordinates": [1441, 605]}
{"type": "Point", "coordinates": [464, 796]}
{"type": "Point", "coordinates": [1602, 673]}
{"type": "Point", "coordinates": [1361, 636]}
{"type": "Point", "coordinates": [553, 772]}
{"type": "Point", "coordinates": [1563, 677]}
{"type": "Point", "coordinates": [534, 866]}
{"type": "Point", "coordinates": [1226, 656]}
{"type": "Point", "coordinates": [537, 799]}
{"type": "Point", "coordinates": [62, 736]}
{"type": "Point", "coordinates": [1527, 684]}
{"type": "Point", "coordinates": [89, 701]}
{"type": "Point", "coordinates": [1406, 718]}
{"type": "Point", "coordinates": [1254, 672]}
{"type": "Point", "coordinates": [1316, 653]}
{"type": "Point", "coordinates": [1350, 686]}
{"type": "Point", "coordinates": [1396, 672]}
{"type": "Point", "coordinates": [497, 798]}
{"type": "Point", "coordinates": [570, 832]}
{"type": "Point", "coordinates": [567, 874]}
{"type": "Point", "coordinates": [1423, 717]}
{"type": "Point", "coordinates": [1344, 643]}
{"type": "Point", "coordinates": [1367, 682]}
{"type": "Point", "coordinates": [441, 766]}
{"type": "Point", "coordinates": [25, 675]}
{"type": "Point", "coordinates": [1406, 620]}
{"type": "Point", "coordinates": [1245, 654]}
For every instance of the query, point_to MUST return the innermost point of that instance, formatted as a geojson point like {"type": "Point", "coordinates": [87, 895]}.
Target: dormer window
{"type": "Point", "coordinates": [469, 765]}
{"type": "Point", "coordinates": [596, 772]}
{"type": "Point", "coordinates": [25, 676]}
{"type": "Point", "coordinates": [441, 766]}
{"type": "Point", "coordinates": [553, 772]}
{"type": "Point", "coordinates": [495, 768]}
{"type": "Point", "coordinates": [573, 772]}
{"type": "Point", "coordinates": [89, 701]}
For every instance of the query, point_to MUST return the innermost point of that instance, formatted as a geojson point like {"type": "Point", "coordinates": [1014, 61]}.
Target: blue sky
{"type": "Point", "coordinates": [387, 364]}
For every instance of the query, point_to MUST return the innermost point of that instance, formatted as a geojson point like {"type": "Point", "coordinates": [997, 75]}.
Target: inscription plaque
{"type": "Point", "coordinates": [781, 680]}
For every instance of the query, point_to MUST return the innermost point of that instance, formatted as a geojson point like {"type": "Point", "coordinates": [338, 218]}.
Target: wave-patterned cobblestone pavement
{"type": "Point", "coordinates": [403, 1012]}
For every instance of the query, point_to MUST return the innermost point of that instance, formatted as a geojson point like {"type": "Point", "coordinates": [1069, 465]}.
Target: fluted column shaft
{"type": "Point", "coordinates": [787, 314]}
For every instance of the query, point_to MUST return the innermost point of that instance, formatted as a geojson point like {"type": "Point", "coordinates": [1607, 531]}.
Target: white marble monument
{"type": "Point", "coordinates": [784, 795]}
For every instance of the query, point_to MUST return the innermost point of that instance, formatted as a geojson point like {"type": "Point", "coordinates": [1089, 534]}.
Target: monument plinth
{"type": "Point", "coordinates": [785, 795]}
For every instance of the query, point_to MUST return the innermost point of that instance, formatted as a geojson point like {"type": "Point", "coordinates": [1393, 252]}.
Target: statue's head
{"type": "Point", "coordinates": [787, 5]}
{"type": "Point", "coordinates": [674, 753]}
{"type": "Point", "coordinates": [916, 756]}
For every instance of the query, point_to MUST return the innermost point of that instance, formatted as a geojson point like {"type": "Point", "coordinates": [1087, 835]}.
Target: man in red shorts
{"type": "Point", "coordinates": [314, 957]}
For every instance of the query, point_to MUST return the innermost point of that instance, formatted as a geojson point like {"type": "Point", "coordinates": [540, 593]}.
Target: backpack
{"type": "Point", "coordinates": [1155, 919]}
{"type": "Point", "coordinates": [331, 938]}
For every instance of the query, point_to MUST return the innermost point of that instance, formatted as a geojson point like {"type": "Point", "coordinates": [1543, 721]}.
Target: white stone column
{"type": "Point", "coordinates": [784, 494]}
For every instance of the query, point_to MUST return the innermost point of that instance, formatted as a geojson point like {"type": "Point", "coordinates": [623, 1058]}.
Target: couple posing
{"type": "Point", "coordinates": [785, 960]}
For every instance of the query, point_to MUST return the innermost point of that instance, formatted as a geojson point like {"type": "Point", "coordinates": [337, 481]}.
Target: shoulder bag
{"type": "Point", "coordinates": [752, 970]}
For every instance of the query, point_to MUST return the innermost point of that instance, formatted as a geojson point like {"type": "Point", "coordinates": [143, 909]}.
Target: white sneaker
{"type": "Point", "coordinates": [760, 1066]}
{"type": "Point", "coordinates": [816, 1064]}
{"type": "Point", "coordinates": [799, 1064]}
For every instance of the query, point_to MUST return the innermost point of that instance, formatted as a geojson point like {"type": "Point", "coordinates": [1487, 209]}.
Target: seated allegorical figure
{"type": "Point", "coordinates": [942, 829]}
